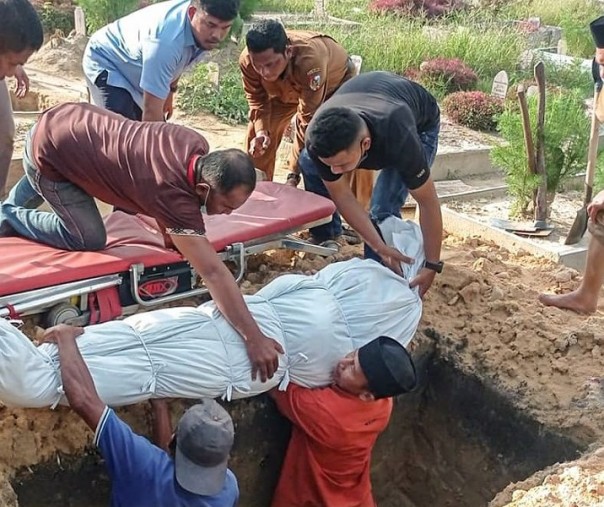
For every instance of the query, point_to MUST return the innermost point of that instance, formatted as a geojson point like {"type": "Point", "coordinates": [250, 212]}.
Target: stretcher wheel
{"type": "Point", "coordinates": [61, 313]}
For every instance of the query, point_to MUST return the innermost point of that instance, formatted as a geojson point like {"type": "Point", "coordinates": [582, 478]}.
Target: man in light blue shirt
{"type": "Point", "coordinates": [193, 474]}
{"type": "Point", "coordinates": [132, 65]}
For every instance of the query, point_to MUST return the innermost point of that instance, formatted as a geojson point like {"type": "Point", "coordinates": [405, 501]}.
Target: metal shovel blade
{"type": "Point", "coordinates": [577, 230]}
{"type": "Point", "coordinates": [510, 226]}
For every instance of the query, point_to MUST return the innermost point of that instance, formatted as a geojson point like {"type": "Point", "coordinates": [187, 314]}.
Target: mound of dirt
{"type": "Point", "coordinates": [484, 314]}
{"type": "Point", "coordinates": [579, 483]}
{"type": "Point", "coordinates": [61, 56]}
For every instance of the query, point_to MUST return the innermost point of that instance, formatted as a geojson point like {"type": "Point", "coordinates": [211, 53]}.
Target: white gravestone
{"type": "Point", "coordinates": [500, 85]}
{"type": "Point", "coordinates": [80, 21]}
{"type": "Point", "coordinates": [562, 47]}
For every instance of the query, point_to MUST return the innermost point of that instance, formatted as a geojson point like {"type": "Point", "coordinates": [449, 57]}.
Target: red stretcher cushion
{"type": "Point", "coordinates": [273, 208]}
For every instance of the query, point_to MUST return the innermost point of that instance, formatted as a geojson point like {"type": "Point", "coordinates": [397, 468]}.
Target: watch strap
{"type": "Point", "coordinates": [434, 266]}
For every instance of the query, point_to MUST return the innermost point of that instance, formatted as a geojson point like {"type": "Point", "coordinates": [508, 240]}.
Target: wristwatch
{"type": "Point", "coordinates": [294, 176]}
{"type": "Point", "coordinates": [434, 266]}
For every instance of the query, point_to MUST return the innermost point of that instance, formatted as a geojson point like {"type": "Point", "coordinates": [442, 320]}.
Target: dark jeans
{"type": "Point", "coordinates": [76, 223]}
{"type": "Point", "coordinates": [389, 193]}
{"type": "Point", "coordinates": [117, 99]}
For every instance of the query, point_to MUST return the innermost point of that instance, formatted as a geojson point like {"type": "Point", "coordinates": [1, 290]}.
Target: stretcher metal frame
{"type": "Point", "coordinates": [41, 300]}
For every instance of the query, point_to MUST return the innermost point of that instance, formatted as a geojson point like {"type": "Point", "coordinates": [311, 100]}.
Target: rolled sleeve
{"type": "Point", "coordinates": [413, 163]}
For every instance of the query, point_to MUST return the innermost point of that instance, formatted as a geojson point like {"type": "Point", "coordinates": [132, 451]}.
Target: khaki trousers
{"type": "Point", "coordinates": [279, 119]}
{"type": "Point", "coordinates": [361, 184]}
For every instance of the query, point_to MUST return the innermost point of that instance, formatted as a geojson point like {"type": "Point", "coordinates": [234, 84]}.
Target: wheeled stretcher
{"type": "Point", "coordinates": [136, 269]}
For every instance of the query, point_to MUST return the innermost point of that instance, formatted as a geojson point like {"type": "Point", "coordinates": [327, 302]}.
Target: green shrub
{"type": "Point", "coordinates": [102, 12]}
{"type": "Point", "coordinates": [286, 5]}
{"type": "Point", "coordinates": [476, 110]}
{"type": "Point", "coordinates": [247, 8]}
{"type": "Point", "coordinates": [566, 139]}
{"type": "Point", "coordinates": [54, 18]}
{"type": "Point", "coordinates": [227, 101]}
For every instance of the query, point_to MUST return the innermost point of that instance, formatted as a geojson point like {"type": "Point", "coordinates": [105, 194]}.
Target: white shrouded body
{"type": "Point", "coordinates": [194, 352]}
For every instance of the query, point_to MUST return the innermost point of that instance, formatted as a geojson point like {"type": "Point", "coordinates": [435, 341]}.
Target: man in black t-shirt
{"type": "Point", "coordinates": [383, 122]}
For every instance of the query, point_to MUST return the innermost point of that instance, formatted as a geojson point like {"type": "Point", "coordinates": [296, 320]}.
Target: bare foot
{"type": "Point", "coordinates": [574, 301]}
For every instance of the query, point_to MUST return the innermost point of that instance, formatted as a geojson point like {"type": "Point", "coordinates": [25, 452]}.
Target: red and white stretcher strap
{"type": "Point", "coordinates": [13, 314]}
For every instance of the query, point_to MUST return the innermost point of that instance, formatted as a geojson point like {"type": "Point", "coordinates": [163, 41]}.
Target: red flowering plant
{"type": "Point", "coordinates": [476, 110]}
{"type": "Point", "coordinates": [426, 8]}
{"type": "Point", "coordinates": [451, 74]}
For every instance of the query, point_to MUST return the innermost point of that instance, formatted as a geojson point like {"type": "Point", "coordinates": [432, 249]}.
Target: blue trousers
{"type": "Point", "coordinates": [388, 196]}
{"type": "Point", "coordinates": [76, 223]}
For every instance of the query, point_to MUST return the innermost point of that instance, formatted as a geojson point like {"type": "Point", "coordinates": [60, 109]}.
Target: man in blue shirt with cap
{"type": "Point", "coordinates": [142, 474]}
{"type": "Point", "coordinates": [133, 65]}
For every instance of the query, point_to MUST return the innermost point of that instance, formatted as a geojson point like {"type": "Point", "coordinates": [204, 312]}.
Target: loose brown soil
{"type": "Point", "coordinates": [61, 56]}
{"type": "Point", "coordinates": [481, 314]}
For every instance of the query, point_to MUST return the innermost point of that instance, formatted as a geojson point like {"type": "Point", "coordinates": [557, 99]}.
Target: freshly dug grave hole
{"type": "Point", "coordinates": [454, 442]}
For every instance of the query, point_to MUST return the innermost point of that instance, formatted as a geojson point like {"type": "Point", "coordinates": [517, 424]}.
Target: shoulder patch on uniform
{"type": "Point", "coordinates": [315, 80]}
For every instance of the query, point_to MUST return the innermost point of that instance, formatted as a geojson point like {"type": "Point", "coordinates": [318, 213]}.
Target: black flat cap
{"type": "Point", "coordinates": [388, 367]}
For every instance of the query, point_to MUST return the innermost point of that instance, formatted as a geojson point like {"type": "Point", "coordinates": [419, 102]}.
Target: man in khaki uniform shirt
{"type": "Point", "coordinates": [287, 73]}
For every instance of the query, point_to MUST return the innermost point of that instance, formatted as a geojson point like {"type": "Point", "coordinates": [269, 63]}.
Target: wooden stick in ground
{"type": "Point", "coordinates": [528, 135]}
{"type": "Point", "coordinates": [541, 205]}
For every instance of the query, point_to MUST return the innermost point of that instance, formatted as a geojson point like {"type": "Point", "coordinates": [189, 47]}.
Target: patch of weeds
{"type": "Point", "coordinates": [398, 44]}
{"type": "Point", "coordinates": [54, 18]}
{"type": "Point", "coordinates": [292, 6]}
{"type": "Point", "coordinates": [575, 29]}
{"type": "Point", "coordinates": [198, 92]}
{"type": "Point", "coordinates": [101, 13]}
{"type": "Point", "coordinates": [247, 8]}
{"type": "Point", "coordinates": [571, 77]}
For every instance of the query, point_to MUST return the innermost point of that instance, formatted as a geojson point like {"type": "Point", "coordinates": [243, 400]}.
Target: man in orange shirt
{"type": "Point", "coordinates": [335, 428]}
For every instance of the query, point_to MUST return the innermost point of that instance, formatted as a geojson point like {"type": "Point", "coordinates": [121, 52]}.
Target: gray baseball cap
{"type": "Point", "coordinates": [204, 438]}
